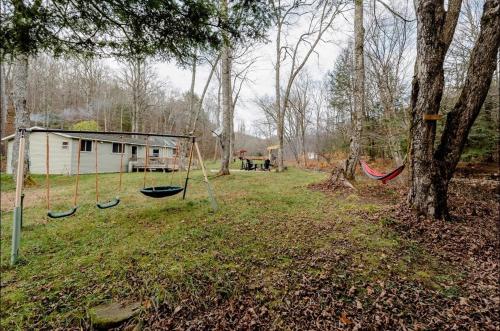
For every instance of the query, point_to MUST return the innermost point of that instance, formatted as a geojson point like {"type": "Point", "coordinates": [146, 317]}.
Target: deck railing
{"type": "Point", "coordinates": [160, 162]}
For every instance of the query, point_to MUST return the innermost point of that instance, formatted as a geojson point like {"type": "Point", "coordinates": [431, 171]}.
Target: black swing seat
{"type": "Point", "coordinates": [161, 191]}
{"type": "Point", "coordinates": [61, 214]}
{"type": "Point", "coordinates": [108, 204]}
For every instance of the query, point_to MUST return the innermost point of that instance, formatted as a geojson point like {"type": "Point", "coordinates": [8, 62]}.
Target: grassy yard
{"type": "Point", "coordinates": [270, 235]}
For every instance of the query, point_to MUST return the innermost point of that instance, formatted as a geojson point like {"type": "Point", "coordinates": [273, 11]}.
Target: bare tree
{"type": "Point", "coordinates": [387, 43]}
{"type": "Point", "coordinates": [139, 78]}
{"type": "Point", "coordinates": [226, 59]}
{"type": "Point", "coordinates": [320, 16]}
{"type": "Point", "coordinates": [91, 73]}
{"type": "Point", "coordinates": [266, 126]}
{"type": "Point", "coordinates": [242, 63]}
{"type": "Point", "coordinates": [299, 116]}
{"type": "Point", "coordinates": [318, 96]}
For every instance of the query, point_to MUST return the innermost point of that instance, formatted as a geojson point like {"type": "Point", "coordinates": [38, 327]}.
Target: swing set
{"type": "Point", "coordinates": [154, 191]}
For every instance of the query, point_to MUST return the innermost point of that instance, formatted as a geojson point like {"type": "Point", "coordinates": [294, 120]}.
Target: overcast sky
{"type": "Point", "coordinates": [262, 74]}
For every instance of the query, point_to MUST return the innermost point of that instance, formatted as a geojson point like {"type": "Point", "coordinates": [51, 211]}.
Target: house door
{"type": "Point", "coordinates": [134, 153]}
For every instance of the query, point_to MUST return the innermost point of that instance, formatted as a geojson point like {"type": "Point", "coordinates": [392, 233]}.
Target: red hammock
{"type": "Point", "coordinates": [374, 174]}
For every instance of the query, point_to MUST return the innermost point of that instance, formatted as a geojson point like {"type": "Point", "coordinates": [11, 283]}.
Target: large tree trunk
{"type": "Point", "coordinates": [460, 120]}
{"type": "Point", "coordinates": [359, 91]}
{"type": "Point", "coordinates": [427, 91]}
{"type": "Point", "coordinates": [432, 170]}
{"type": "Point", "coordinates": [22, 115]}
{"type": "Point", "coordinates": [226, 99]}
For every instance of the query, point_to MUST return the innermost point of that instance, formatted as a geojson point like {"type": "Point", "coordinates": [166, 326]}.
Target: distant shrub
{"type": "Point", "coordinates": [85, 126]}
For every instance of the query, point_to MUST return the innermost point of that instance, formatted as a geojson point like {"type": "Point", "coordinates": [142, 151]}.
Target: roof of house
{"type": "Point", "coordinates": [153, 141]}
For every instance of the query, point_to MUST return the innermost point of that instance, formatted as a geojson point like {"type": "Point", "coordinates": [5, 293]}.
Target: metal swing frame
{"type": "Point", "coordinates": [18, 205]}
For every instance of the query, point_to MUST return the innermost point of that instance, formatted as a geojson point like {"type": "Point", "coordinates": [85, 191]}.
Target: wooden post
{"type": "Point", "coordinates": [209, 188]}
{"type": "Point", "coordinates": [16, 226]}
{"type": "Point", "coordinates": [189, 168]}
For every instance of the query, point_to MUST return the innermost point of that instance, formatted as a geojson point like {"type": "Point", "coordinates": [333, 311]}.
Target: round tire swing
{"type": "Point", "coordinates": [114, 202]}
{"type": "Point", "coordinates": [69, 212]}
{"type": "Point", "coordinates": [159, 191]}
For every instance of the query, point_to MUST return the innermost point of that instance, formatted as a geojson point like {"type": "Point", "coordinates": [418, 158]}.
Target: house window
{"type": "Point", "coordinates": [65, 145]}
{"type": "Point", "coordinates": [156, 152]}
{"type": "Point", "coordinates": [86, 145]}
{"type": "Point", "coordinates": [118, 148]}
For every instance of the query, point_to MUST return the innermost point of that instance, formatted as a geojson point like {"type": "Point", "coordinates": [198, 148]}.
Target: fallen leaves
{"type": "Point", "coordinates": [334, 297]}
{"type": "Point", "coordinates": [344, 320]}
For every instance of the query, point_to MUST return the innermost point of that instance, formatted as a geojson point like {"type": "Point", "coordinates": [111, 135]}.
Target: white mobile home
{"type": "Point", "coordinates": [63, 152]}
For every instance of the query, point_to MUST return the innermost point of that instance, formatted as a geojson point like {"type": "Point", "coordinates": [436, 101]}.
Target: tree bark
{"type": "Point", "coordinates": [359, 91]}
{"type": "Point", "coordinates": [279, 112]}
{"type": "Point", "coordinates": [22, 114]}
{"type": "Point", "coordinates": [226, 97]}
{"type": "Point", "coordinates": [3, 97]}
{"type": "Point", "coordinates": [431, 170]}
{"type": "Point", "coordinates": [460, 120]}
{"type": "Point", "coordinates": [191, 95]}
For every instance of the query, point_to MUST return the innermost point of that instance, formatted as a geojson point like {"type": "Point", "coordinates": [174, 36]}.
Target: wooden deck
{"type": "Point", "coordinates": [154, 164]}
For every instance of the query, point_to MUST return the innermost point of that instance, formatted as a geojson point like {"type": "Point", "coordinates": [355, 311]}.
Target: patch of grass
{"type": "Point", "coordinates": [6, 182]}
{"type": "Point", "coordinates": [161, 250]}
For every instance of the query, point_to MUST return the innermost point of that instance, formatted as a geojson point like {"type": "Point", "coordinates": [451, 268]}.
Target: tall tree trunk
{"type": "Point", "coordinates": [22, 115]}
{"type": "Point", "coordinates": [359, 91]}
{"type": "Point", "coordinates": [191, 95]}
{"type": "Point", "coordinates": [280, 125]}
{"type": "Point", "coordinates": [226, 97]}
{"type": "Point", "coordinates": [461, 118]}
{"type": "Point", "coordinates": [219, 103]}
{"type": "Point", "coordinates": [427, 91]}
{"type": "Point", "coordinates": [3, 97]}
{"type": "Point", "coordinates": [432, 170]}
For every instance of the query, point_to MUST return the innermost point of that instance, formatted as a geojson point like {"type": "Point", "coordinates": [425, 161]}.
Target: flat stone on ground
{"type": "Point", "coordinates": [113, 314]}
